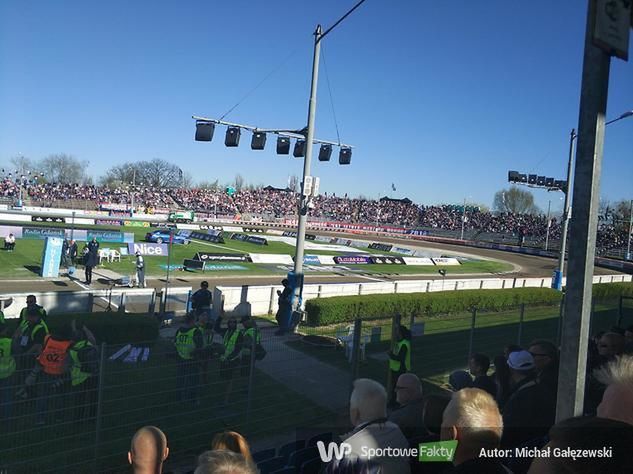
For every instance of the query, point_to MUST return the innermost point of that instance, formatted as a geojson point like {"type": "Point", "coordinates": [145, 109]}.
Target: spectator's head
{"type": "Point", "coordinates": [232, 441]}
{"type": "Point", "coordinates": [148, 450]}
{"type": "Point", "coordinates": [223, 461]}
{"type": "Point", "coordinates": [190, 318]}
{"type": "Point", "coordinates": [354, 465]}
{"type": "Point", "coordinates": [247, 322]}
{"type": "Point", "coordinates": [501, 367]}
{"type": "Point", "coordinates": [31, 300]}
{"type": "Point", "coordinates": [408, 388]}
{"type": "Point", "coordinates": [434, 406]}
{"type": "Point", "coordinates": [285, 282]}
{"type": "Point", "coordinates": [232, 323]}
{"type": "Point", "coordinates": [459, 379]}
{"type": "Point", "coordinates": [587, 433]}
{"type": "Point", "coordinates": [94, 239]}
{"type": "Point", "coordinates": [203, 318]}
{"type": "Point", "coordinates": [367, 402]}
{"type": "Point", "coordinates": [617, 400]}
{"type": "Point", "coordinates": [479, 365]}
{"type": "Point", "coordinates": [545, 354]}
{"type": "Point", "coordinates": [403, 333]}
{"type": "Point", "coordinates": [611, 344]}
{"type": "Point", "coordinates": [472, 418]}
{"type": "Point", "coordinates": [509, 349]}
{"type": "Point", "coordinates": [521, 364]}
{"type": "Point", "coordinates": [204, 285]}
{"type": "Point", "coordinates": [628, 335]}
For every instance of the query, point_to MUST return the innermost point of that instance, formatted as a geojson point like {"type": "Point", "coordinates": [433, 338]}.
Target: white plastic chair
{"type": "Point", "coordinates": [103, 253]}
{"type": "Point", "coordinates": [346, 337]}
{"type": "Point", "coordinates": [114, 255]}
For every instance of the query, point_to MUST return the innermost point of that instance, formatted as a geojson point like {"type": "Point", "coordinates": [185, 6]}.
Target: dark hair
{"type": "Point", "coordinates": [548, 346]}
{"type": "Point", "coordinates": [285, 282]}
{"type": "Point", "coordinates": [502, 377]}
{"type": "Point", "coordinates": [510, 348]}
{"type": "Point", "coordinates": [617, 330]}
{"type": "Point", "coordinates": [204, 283]}
{"type": "Point", "coordinates": [482, 361]}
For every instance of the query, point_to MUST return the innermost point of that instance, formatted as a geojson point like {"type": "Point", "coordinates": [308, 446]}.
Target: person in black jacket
{"type": "Point", "coordinates": [529, 410]}
{"type": "Point", "coordinates": [91, 259]}
{"type": "Point", "coordinates": [201, 300]}
{"type": "Point", "coordinates": [284, 301]}
{"type": "Point", "coordinates": [545, 356]}
{"type": "Point", "coordinates": [478, 367]}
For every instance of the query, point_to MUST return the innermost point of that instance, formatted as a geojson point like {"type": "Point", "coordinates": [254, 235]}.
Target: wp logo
{"type": "Point", "coordinates": [333, 450]}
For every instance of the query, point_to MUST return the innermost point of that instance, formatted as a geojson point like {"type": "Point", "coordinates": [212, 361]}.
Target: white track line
{"type": "Point", "coordinates": [86, 287]}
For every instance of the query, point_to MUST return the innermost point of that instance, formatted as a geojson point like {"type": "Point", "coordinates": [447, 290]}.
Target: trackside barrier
{"type": "Point", "coordinates": [262, 299]}
{"type": "Point", "coordinates": [121, 300]}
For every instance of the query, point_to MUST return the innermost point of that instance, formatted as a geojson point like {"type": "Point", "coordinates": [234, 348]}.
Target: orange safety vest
{"type": "Point", "coordinates": [54, 355]}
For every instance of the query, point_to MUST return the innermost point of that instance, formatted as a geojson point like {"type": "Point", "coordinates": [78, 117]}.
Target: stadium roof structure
{"type": "Point", "coordinates": [403, 200]}
{"type": "Point", "coordinates": [272, 188]}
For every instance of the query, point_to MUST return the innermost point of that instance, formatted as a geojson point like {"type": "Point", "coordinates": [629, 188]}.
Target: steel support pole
{"type": "Point", "coordinates": [557, 280]}
{"type": "Point", "coordinates": [577, 312]}
{"type": "Point", "coordinates": [549, 205]}
{"type": "Point", "coordinates": [296, 279]}
{"type": "Point", "coordinates": [463, 220]}
{"type": "Point", "coordinates": [630, 236]}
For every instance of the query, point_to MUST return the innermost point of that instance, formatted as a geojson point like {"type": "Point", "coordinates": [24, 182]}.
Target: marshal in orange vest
{"type": "Point", "coordinates": [53, 355]}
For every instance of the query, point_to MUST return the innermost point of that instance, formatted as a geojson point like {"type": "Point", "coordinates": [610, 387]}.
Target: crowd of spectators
{"type": "Point", "coordinates": [278, 203]}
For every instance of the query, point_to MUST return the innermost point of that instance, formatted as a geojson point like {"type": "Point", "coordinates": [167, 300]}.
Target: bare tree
{"type": "Point", "coordinates": [156, 173]}
{"type": "Point", "coordinates": [120, 175]}
{"type": "Point", "coordinates": [212, 185]}
{"type": "Point", "coordinates": [515, 201]}
{"type": "Point", "coordinates": [187, 180]}
{"type": "Point", "coordinates": [21, 164]}
{"type": "Point", "coordinates": [63, 168]}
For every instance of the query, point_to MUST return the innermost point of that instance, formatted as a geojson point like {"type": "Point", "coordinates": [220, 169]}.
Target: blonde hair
{"type": "Point", "coordinates": [369, 398]}
{"type": "Point", "coordinates": [223, 461]}
{"type": "Point", "coordinates": [232, 441]}
{"type": "Point", "coordinates": [617, 372]}
{"type": "Point", "coordinates": [476, 414]}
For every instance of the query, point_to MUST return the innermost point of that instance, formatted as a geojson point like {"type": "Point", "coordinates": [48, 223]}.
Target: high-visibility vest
{"type": "Point", "coordinates": [230, 339]}
{"type": "Point", "coordinates": [76, 375]}
{"type": "Point", "coordinates": [252, 333]}
{"type": "Point", "coordinates": [29, 331]}
{"type": "Point", "coordinates": [53, 355]}
{"type": "Point", "coordinates": [207, 336]}
{"type": "Point", "coordinates": [184, 342]}
{"type": "Point", "coordinates": [40, 310]}
{"type": "Point", "coordinates": [394, 365]}
{"type": "Point", "coordinates": [1, 317]}
{"type": "Point", "coordinates": [7, 361]}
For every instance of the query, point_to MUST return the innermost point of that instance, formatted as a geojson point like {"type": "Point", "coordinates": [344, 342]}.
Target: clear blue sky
{"type": "Point", "coordinates": [440, 98]}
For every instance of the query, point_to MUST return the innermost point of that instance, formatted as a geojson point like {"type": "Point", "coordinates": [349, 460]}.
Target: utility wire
{"type": "Point", "coordinates": [279, 66]}
{"type": "Point", "coordinates": [327, 79]}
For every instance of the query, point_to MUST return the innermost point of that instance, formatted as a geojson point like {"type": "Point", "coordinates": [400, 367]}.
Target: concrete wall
{"type": "Point", "coordinates": [258, 300]}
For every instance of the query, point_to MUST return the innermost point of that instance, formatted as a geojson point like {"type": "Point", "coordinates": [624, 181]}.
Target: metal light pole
{"type": "Point", "coordinates": [549, 204]}
{"type": "Point", "coordinates": [630, 236]}
{"type": "Point", "coordinates": [557, 279]}
{"type": "Point", "coordinates": [295, 277]}
{"type": "Point", "coordinates": [463, 220]}
{"type": "Point", "coordinates": [133, 189]}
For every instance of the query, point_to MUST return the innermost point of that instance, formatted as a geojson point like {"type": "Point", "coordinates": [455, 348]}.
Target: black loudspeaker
{"type": "Point", "coordinates": [325, 152]}
{"type": "Point", "coordinates": [560, 184]}
{"type": "Point", "coordinates": [513, 176]}
{"type": "Point", "coordinates": [204, 131]}
{"type": "Point", "coordinates": [283, 145]}
{"type": "Point", "coordinates": [532, 179]}
{"type": "Point", "coordinates": [540, 181]}
{"type": "Point", "coordinates": [345, 156]}
{"type": "Point", "coordinates": [523, 178]}
{"type": "Point", "coordinates": [259, 141]}
{"type": "Point", "coordinates": [300, 149]}
{"type": "Point", "coordinates": [549, 182]}
{"type": "Point", "coordinates": [232, 136]}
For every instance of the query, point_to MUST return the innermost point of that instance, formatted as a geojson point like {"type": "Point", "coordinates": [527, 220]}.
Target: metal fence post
{"type": "Point", "coordinates": [395, 325]}
{"type": "Point", "coordinates": [521, 315]}
{"type": "Point", "coordinates": [561, 312]}
{"type": "Point", "coordinates": [619, 320]}
{"type": "Point", "coordinates": [122, 303]}
{"type": "Point", "coordinates": [358, 324]}
{"type": "Point", "coordinates": [250, 377]}
{"type": "Point", "coordinates": [99, 406]}
{"type": "Point", "coordinates": [472, 333]}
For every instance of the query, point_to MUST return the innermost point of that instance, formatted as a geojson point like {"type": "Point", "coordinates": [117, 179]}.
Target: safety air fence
{"type": "Point", "coordinates": [283, 402]}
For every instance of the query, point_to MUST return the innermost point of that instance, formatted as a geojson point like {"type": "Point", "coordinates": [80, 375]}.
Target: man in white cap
{"type": "Point", "coordinates": [529, 411]}
{"type": "Point", "coordinates": [140, 270]}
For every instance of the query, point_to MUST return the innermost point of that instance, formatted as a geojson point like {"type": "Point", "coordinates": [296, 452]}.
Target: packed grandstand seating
{"type": "Point", "coordinates": [272, 202]}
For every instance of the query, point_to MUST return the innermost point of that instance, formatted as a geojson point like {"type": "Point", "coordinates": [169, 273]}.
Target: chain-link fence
{"type": "Point", "coordinates": [50, 424]}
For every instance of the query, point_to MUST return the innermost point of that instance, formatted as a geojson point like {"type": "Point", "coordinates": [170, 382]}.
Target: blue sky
{"type": "Point", "coordinates": [440, 98]}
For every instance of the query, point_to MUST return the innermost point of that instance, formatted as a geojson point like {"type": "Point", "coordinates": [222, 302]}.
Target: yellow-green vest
{"type": "Point", "coordinates": [394, 365]}
{"type": "Point", "coordinates": [7, 361]}
{"type": "Point", "coordinates": [77, 377]}
{"type": "Point", "coordinates": [229, 342]}
{"type": "Point", "coordinates": [252, 333]}
{"type": "Point", "coordinates": [185, 345]}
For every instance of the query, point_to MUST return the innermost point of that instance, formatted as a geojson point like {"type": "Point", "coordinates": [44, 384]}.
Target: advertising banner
{"type": "Point", "coordinates": [188, 226]}
{"type": "Point", "coordinates": [417, 261]}
{"type": "Point", "coordinates": [220, 257]}
{"type": "Point", "coordinates": [387, 259]}
{"type": "Point", "coordinates": [191, 264]}
{"type": "Point", "coordinates": [352, 259]}
{"type": "Point", "coordinates": [135, 223]}
{"type": "Point", "coordinates": [15, 217]}
{"type": "Point", "coordinates": [228, 228]}
{"type": "Point", "coordinates": [382, 247]}
{"type": "Point", "coordinates": [445, 261]}
{"type": "Point", "coordinates": [166, 225]}
{"type": "Point", "coordinates": [110, 236]}
{"type": "Point", "coordinates": [46, 219]}
{"type": "Point", "coordinates": [113, 222]}
{"type": "Point", "coordinates": [79, 220]}
{"type": "Point", "coordinates": [214, 232]}
{"type": "Point", "coordinates": [311, 260]}
{"type": "Point", "coordinates": [402, 250]}
{"type": "Point", "coordinates": [249, 238]}
{"type": "Point", "coordinates": [326, 260]}
{"type": "Point", "coordinates": [207, 237]}
{"type": "Point", "coordinates": [256, 230]}
{"type": "Point", "coordinates": [149, 249]}
{"type": "Point", "coordinates": [5, 230]}
{"type": "Point", "coordinates": [283, 259]}
{"type": "Point", "coordinates": [359, 244]}
{"type": "Point", "coordinates": [51, 256]}
{"type": "Point", "coordinates": [292, 233]}
{"type": "Point", "coordinates": [217, 268]}
{"type": "Point", "coordinates": [278, 232]}
{"type": "Point", "coordinates": [41, 233]}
